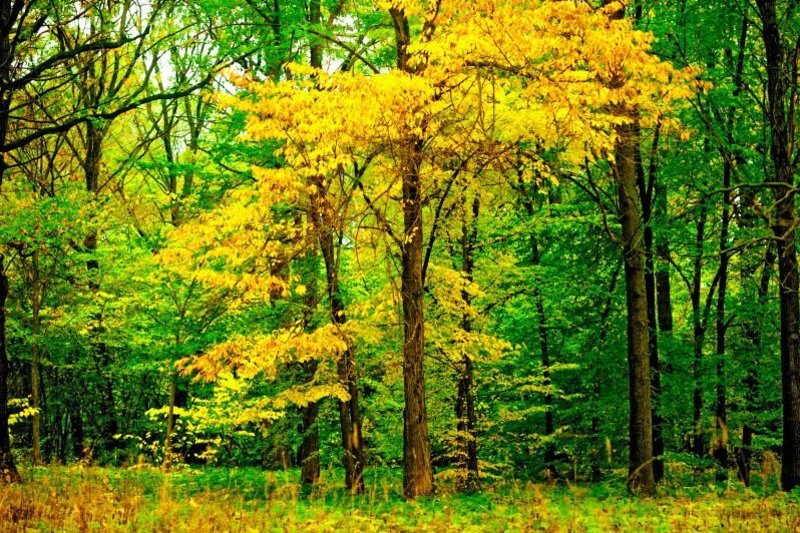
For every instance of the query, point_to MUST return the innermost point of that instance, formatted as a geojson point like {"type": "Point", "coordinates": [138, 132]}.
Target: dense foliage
{"type": "Point", "coordinates": [476, 240]}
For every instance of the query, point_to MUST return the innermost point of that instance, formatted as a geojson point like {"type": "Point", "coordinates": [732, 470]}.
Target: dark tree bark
{"type": "Point", "coordinates": [8, 471]}
{"type": "Point", "coordinates": [465, 400]}
{"type": "Point", "coordinates": [780, 118]}
{"type": "Point", "coordinates": [109, 427]}
{"type": "Point", "coordinates": [308, 455]}
{"type": "Point", "coordinates": [349, 414]}
{"type": "Point", "coordinates": [721, 405]}
{"type": "Point", "coordinates": [645, 183]}
{"type": "Point", "coordinates": [417, 468]}
{"type": "Point", "coordinates": [697, 445]}
{"type": "Point", "coordinates": [605, 315]}
{"type": "Point", "coordinates": [641, 477]}
{"type": "Point", "coordinates": [549, 422]}
{"type": "Point", "coordinates": [729, 159]}
{"type": "Point", "coordinates": [663, 285]}
{"type": "Point", "coordinates": [35, 355]}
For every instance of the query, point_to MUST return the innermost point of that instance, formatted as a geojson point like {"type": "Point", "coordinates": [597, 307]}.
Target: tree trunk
{"type": "Point", "coordinates": [641, 478]}
{"type": "Point", "coordinates": [605, 314]}
{"type": "Point", "coordinates": [721, 405]}
{"type": "Point", "coordinates": [753, 331]}
{"type": "Point", "coordinates": [645, 185]}
{"type": "Point", "coordinates": [697, 445]}
{"type": "Point", "coordinates": [465, 401]}
{"type": "Point", "coordinates": [663, 287]}
{"type": "Point", "coordinates": [35, 355]}
{"type": "Point", "coordinates": [173, 393]}
{"type": "Point", "coordinates": [783, 226]}
{"type": "Point", "coordinates": [308, 454]}
{"type": "Point", "coordinates": [349, 413]}
{"type": "Point", "coordinates": [8, 472]}
{"type": "Point", "coordinates": [309, 448]}
{"type": "Point", "coordinates": [549, 423]}
{"type": "Point", "coordinates": [92, 167]}
{"type": "Point", "coordinates": [417, 469]}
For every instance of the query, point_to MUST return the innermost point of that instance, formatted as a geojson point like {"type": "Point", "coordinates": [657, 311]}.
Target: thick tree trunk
{"type": "Point", "coordinates": [641, 478]}
{"type": "Point", "coordinates": [465, 401]}
{"type": "Point", "coordinates": [783, 226]}
{"type": "Point", "coordinates": [417, 468]}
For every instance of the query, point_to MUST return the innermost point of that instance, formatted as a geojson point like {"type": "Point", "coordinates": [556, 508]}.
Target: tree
{"type": "Point", "coordinates": [781, 119]}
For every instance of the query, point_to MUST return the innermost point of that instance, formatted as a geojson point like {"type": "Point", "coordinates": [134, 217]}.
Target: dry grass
{"type": "Point", "coordinates": [96, 499]}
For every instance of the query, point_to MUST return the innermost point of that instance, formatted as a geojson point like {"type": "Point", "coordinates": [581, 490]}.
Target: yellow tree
{"type": "Point", "coordinates": [473, 83]}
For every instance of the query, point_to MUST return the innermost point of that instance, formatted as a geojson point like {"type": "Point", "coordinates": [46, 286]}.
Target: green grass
{"type": "Point", "coordinates": [248, 499]}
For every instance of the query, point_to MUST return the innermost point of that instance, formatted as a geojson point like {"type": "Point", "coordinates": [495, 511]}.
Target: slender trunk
{"type": "Point", "coordinates": [8, 471]}
{"type": "Point", "coordinates": [605, 314]}
{"type": "Point", "coordinates": [465, 402]}
{"type": "Point", "coordinates": [417, 468]}
{"type": "Point", "coordinates": [549, 422]}
{"type": "Point", "coordinates": [721, 405]}
{"type": "Point", "coordinates": [35, 355]}
{"type": "Point", "coordinates": [173, 387]}
{"type": "Point", "coordinates": [645, 185]}
{"type": "Point", "coordinates": [349, 413]}
{"type": "Point", "coordinates": [309, 448]}
{"type": "Point", "coordinates": [752, 331]}
{"type": "Point", "coordinates": [308, 454]}
{"type": "Point", "coordinates": [780, 115]}
{"type": "Point", "coordinates": [697, 445]}
{"type": "Point", "coordinates": [663, 287]}
{"type": "Point", "coordinates": [76, 430]}
{"type": "Point", "coordinates": [108, 419]}
{"type": "Point", "coordinates": [641, 478]}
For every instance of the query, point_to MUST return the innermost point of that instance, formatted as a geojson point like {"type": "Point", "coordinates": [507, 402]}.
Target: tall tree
{"type": "Point", "coordinates": [781, 90]}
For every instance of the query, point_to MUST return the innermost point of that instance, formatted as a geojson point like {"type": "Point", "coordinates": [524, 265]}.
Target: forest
{"type": "Point", "coordinates": [369, 265]}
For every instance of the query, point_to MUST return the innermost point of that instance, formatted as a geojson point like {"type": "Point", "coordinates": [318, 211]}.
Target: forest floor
{"type": "Point", "coordinates": [243, 499]}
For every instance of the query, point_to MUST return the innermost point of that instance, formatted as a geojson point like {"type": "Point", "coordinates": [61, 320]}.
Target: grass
{"type": "Point", "coordinates": [247, 499]}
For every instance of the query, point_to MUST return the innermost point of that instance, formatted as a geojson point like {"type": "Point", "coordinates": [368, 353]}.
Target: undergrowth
{"type": "Point", "coordinates": [248, 499]}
